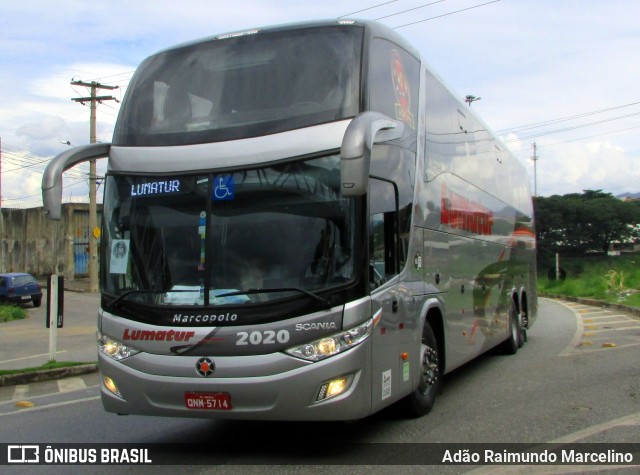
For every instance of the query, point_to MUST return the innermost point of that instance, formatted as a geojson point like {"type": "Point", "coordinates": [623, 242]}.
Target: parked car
{"type": "Point", "coordinates": [17, 287]}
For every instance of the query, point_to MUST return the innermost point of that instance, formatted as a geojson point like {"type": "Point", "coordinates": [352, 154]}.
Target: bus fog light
{"type": "Point", "coordinates": [110, 384]}
{"type": "Point", "coordinates": [333, 388]}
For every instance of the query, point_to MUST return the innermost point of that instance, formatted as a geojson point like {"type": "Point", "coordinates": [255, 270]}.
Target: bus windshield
{"type": "Point", "coordinates": [243, 86]}
{"type": "Point", "coordinates": [251, 236]}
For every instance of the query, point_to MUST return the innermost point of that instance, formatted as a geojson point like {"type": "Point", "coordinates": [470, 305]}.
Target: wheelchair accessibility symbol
{"type": "Point", "coordinates": [224, 188]}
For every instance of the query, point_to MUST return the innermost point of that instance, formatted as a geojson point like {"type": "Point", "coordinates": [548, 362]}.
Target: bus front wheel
{"type": "Point", "coordinates": [421, 401]}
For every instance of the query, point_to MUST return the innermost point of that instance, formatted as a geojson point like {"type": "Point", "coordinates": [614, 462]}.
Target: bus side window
{"type": "Point", "coordinates": [376, 246]}
{"type": "Point", "coordinates": [383, 258]}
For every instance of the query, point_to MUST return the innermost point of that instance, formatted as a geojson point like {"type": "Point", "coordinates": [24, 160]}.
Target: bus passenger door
{"type": "Point", "coordinates": [390, 377]}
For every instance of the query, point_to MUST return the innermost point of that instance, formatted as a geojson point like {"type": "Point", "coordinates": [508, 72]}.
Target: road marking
{"type": "Point", "coordinates": [24, 404]}
{"type": "Point", "coordinates": [635, 327]}
{"type": "Point", "coordinates": [591, 312]}
{"type": "Point", "coordinates": [611, 316]}
{"type": "Point", "coordinates": [577, 336]}
{"type": "Point", "coordinates": [42, 396]}
{"type": "Point", "coordinates": [578, 346]}
{"type": "Point", "coordinates": [595, 350]}
{"type": "Point", "coordinates": [48, 406]}
{"type": "Point", "coordinates": [630, 420]}
{"type": "Point", "coordinates": [616, 329]}
{"type": "Point", "coordinates": [29, 357]}
{"type": "Point", "coordinates": [20, 391]}
{"type": "Point", "coordinates": [595, 324]}
{"type": "Point", "coordinates": [71, 384]}
{"type": "Point", "coordinates": [575, 437]}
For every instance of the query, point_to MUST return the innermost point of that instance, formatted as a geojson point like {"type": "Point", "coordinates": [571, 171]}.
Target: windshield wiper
{"type": "Point", "coordinates": [121, 297]}
{"type": "Point", "coordinates": [277, 289]}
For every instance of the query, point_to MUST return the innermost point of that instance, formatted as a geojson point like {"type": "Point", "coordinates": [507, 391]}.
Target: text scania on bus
{"type": "Point", "coordinates": [301, 222]}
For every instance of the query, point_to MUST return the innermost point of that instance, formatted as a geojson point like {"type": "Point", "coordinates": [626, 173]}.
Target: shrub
{"type": "Point", "coordinates": [9, 313]}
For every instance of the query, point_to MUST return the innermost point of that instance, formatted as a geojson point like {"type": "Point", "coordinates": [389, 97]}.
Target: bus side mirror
{"type": "Point", "coordinates": [52, 176]}
{"type": "Point", "coordinates": [355, 154]}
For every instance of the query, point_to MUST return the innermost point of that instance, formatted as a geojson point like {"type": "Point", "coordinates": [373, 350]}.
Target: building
{"type": "Point", "coordinates": [32, 243]}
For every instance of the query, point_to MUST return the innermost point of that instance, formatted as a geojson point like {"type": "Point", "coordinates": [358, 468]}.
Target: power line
{"type": "Point", "coordinates": [579, 139]}
{"type": "Point", "coordinates": [20, 198]}
{"type": "Point", "coordinates": [25, 160]}
{"type": "Point", "coordinates": [591, 136]}
{"type": "Point", "coordinates": [568, 129]}
{"type": "Point", "coordinates": [410, 10]}
{"type": "Point", "coordinates": [366, 9]}
{"type": "Point", "coordinates": [535, 125]}
{"type": "Point", "coordinates": [445, 14]}
{"type": "Point", "coordinates": [130, 73]}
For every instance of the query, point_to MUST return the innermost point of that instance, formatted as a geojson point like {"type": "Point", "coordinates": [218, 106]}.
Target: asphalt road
{"type": "Point", "coordinates": [577, 379]}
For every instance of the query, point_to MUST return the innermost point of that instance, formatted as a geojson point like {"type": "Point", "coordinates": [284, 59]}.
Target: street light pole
{"type": "Point", "coordinates": [469, 99]}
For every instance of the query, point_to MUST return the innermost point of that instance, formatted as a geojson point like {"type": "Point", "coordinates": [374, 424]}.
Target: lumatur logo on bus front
{"type": "Point", "coordinates": [157, 335]}
{"type": "Point", "coordinates": [155, 188]}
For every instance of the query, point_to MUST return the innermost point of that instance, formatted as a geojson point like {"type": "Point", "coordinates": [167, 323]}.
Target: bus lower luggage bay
{"type": "Point", "coordinates": [301, 222]}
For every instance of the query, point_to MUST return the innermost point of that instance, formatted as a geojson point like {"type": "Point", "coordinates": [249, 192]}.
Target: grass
{"type": "Point", "coordinates": [613, 279]}
{"type": "Point", "coordinates": [50, 365]}
{"type": "Point", "coordinates": [9, 313]}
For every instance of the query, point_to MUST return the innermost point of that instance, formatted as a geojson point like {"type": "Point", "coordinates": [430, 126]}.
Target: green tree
{"type": "Point", "coordinates": [577, 223]}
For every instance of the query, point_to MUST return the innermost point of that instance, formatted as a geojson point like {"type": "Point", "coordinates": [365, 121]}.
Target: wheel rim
{"type": "Point", "coordinates": [513, 318]}
{"type": "Point", "coordinates": [429, 368]}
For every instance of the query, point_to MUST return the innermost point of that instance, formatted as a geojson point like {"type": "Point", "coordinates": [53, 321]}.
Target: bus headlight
{"type": "Point", "coordinates": [334, 344]}
{"type": "Point", "coordinates": [113, 348]}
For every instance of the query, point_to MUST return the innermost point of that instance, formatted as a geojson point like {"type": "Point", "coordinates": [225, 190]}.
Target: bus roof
{"type": "Point", "coordinates": [373, 28]}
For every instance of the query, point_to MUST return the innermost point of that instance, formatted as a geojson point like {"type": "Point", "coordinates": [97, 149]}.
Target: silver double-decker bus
{"type": "Point", "coordinates": [301, 222]}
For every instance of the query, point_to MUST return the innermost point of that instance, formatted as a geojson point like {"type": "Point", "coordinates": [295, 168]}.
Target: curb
{"type": "Point", "coordinates": [47, 374]}
{"type": "Point", "coordinates": [595, 303]}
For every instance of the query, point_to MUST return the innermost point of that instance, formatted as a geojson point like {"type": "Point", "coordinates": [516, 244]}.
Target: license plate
{"type": "Point", "coordinates": [211, 401]}
{"type": "Point", "coordinates": [25, 297]}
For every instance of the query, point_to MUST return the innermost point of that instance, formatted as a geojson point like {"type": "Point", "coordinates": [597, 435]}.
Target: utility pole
{"type": "Point", "coordinates": [535, 171]}
{"type": "Point", "coordinates": [1, 216]}
{"type": "Point", "coordinates": [94, 230]}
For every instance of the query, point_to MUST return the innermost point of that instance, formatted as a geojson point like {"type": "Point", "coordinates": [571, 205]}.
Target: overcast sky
{"type": "Point", "coordinates": [569, 64]}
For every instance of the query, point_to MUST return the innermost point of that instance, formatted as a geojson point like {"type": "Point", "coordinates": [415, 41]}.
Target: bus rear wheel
{"type": "Point", "coordinates": [422, 399]}
{"type": "Point", "coordinates": [510, 345]}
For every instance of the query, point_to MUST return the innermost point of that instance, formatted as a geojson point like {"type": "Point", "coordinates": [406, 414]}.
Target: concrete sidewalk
{"type": "Point", "coordinates": [25, 343]}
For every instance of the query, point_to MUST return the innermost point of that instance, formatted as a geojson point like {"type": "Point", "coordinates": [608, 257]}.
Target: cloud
{"type": "Point", "coordinates": [589, 166]}
{"type": "Point", "coordinates": [529, 61]}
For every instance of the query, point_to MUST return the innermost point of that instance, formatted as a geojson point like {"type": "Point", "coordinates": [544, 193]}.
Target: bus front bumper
{"type": "Point", "coordinates": [271, 387]}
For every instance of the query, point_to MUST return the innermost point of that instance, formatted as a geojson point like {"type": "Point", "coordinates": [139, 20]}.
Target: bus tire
{"type": "Point", "coordinates": [422, 399]}
{"type": "Point", "coordinates": [522, 331]}
{"type": "Point", "coordinates": [510, 345]}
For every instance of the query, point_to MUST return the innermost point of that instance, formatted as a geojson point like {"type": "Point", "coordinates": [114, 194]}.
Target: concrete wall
{"type": "Point", "coordinates": [32, 243]}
